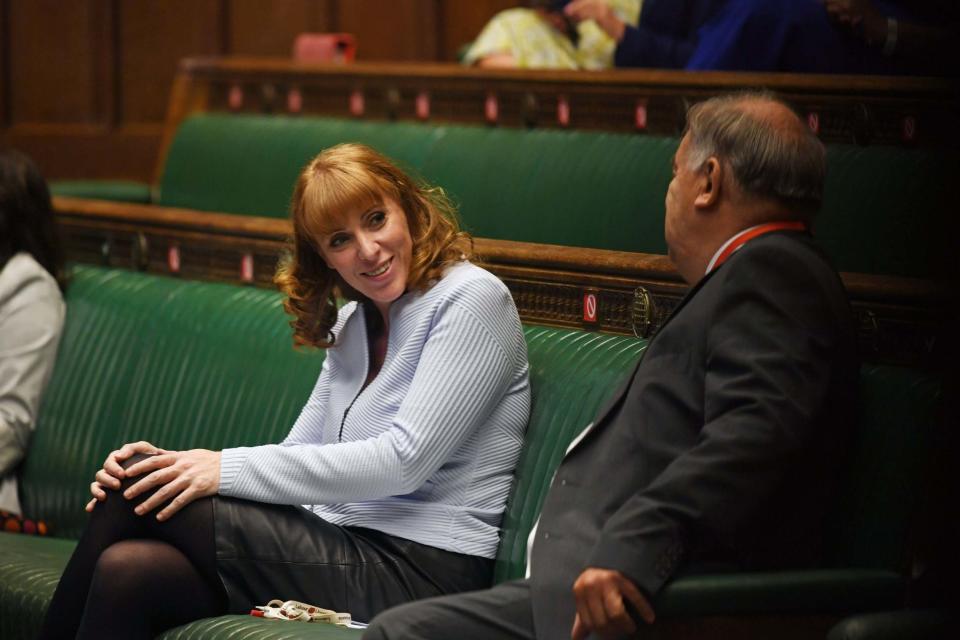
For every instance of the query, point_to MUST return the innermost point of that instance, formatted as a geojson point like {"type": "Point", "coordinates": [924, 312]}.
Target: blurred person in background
{"type": "Point", "coordinates": [541, 36]}
{"type": "Point", "coordinates": [796, 36]}
{"type": "Point", "coordinates": [31, 310]}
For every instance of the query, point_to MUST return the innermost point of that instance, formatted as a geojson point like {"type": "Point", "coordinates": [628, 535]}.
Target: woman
{"type": "Point", "coordinates": [31, 310]}
{"type": "Point", "coordinates": [404, 452]}
{"type": "Point", "coordinates": [543, 34]}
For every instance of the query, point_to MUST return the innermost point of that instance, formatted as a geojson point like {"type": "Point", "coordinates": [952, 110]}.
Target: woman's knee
{"type": "Point", "coordinates": [126, 483]}
{"type": "Point", "coordinates": [117, 505]}
{"type": "Point", "coordinates": [119, 571]}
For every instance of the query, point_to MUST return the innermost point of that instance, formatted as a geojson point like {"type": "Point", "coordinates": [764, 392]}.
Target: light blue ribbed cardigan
{"type": "Point", "coordinates": [427, 450]}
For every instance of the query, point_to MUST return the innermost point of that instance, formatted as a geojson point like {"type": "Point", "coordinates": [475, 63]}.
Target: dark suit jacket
{"type": "Point", "coordinates": [725, 442]}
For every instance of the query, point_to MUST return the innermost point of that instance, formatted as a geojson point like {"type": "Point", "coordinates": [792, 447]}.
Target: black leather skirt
{"type": "Point", "coordinates": [267, 552]}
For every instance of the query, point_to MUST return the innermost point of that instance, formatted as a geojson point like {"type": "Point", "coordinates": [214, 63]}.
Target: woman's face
{"type": "Point", "coordinates": [372, 251]}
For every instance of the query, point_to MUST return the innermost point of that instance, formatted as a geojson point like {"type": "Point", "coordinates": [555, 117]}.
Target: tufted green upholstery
{"type": "Point", "coordinates": [883, 210]}
{"type": "Point", "coordinates": [516, 184]}
{"type": "Point", "coordinates": [29, 571]}
{"type": "Point", "coordinates": [896, 437]}
{"type": "Point", "coordinates": [571, 373]}
{"type": "Point", "coordinates": [198, 364]}
{"type": "Point", "coordinates": [182, 364]}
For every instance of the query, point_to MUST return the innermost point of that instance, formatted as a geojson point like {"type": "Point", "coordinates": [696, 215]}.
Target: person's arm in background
{"type": "Point", "coordinates": [31, 320]}
{"type": "Point", "coordinates": [896, 37]}
{"type": "Point", "coordinates": [646, 45]}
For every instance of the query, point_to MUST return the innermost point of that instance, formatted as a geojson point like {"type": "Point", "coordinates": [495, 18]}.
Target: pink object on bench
{"type": "Point", "coordinates": [325, 47]}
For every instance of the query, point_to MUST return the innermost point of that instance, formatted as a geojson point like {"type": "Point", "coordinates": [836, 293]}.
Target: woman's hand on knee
{"type": "Point", "coordinates": [180, 477]}
{"type": "Point", "coordinates": [112, 472]}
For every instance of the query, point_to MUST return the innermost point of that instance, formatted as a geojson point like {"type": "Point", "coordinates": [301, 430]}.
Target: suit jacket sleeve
{"type": "Point", "coordinates": [642, 47]}
{"type": "Point", "coordinates": [768, 365]}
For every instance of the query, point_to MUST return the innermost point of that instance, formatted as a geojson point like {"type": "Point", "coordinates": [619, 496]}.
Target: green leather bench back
{"type": "Point", "coordinates": [886, 479]}
{"type": "Point", "coordinates": [532, 186]}
{"type": "Point", "coordinates": [183, 364]}
{"type": "Point", "coordinates": [883, 210]}
{"type": "Point", "coordinates": [190, 364]}
{"type": "Point", "coordinates": [571, 373]}
{"type": "Point", "coordinates": [880, 490]}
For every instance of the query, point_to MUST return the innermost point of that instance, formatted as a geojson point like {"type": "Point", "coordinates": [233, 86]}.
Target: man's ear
{"type": "Point", "coordinates": [709, 184]}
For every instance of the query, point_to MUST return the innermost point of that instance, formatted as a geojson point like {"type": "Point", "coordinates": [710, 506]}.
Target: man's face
{"type": "Point", "coordinates": [680, 216]}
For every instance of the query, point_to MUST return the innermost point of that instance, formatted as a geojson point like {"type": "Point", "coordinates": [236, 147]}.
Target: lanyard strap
{"type": "Point", "coordinates": [754, 232]}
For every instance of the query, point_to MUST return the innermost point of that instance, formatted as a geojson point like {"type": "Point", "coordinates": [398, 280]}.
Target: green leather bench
{"type": "Point", "coordinates": [883, 209]}
{"type": "Point", "coordinates": [191, 364]}
{"type": "Point", "coordinates": [113, 190]}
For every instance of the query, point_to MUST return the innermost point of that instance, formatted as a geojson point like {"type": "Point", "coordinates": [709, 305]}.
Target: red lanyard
{"type": "Point", "coordinates": [754, 232]}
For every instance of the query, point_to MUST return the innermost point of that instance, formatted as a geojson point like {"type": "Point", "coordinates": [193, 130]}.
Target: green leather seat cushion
{"type": "Point", "coordinates": [883, 206]}
{"type": "Point", "coordinates": [30, 568]}
{"type": "Point", "coordinates": [909, 624]}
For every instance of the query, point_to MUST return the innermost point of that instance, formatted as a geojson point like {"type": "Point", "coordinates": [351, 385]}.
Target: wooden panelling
{"type": "Point", "coordinates": [53, 67]}
{"type": "Point", "coordinates": [110, 63]}
{"type": "Point", "coordinates": [848, 109]}
{"type": "Point", "coordinates": [4, 64]}
{"type": "Point", "coordinates": [461, 22]}
{"type": "Point", "coordinates": [267, 27]}
{"type": "Point", "coordinates": [397, 30]}
{"type": "Point", "coordinates": [90, 152]}
{"type": "Point", "coordinates": [154, 36]}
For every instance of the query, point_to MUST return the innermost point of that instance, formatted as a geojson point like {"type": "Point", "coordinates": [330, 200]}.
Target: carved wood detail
{"type": "Point", "coordinates": [901, 319]}
{"type": "Point", "coordinates": [853, 109]}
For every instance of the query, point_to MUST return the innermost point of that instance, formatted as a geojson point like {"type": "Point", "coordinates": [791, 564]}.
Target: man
{"type": "Point", "coordinates": [724, 444]}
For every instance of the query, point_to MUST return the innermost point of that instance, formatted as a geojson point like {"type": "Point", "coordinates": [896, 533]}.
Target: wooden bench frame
{"type": "Point", "coordinates": [852, 109]}
{"type": "Point", "coordinates": [902, 320]}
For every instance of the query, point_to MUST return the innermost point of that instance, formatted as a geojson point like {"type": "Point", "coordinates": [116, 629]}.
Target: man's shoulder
{"type": "Point", "coordinates": [787, 271]}
{"type": "Point", "coordinates": [785, 253]}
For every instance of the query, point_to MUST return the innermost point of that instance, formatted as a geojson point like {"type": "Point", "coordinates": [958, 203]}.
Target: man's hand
{"type": "Point", "coordinates": [181, 478]}
{"type": "Point", "coordinates": [602, 595]}
{"type": "Point", "coordinates": [598, 11]}
{"type": "Point", "coordinates": [112, 473]}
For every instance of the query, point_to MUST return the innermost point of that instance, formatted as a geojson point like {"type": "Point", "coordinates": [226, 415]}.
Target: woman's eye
{"type": "Point", "coordinates": [337, 240]}
{"type": "Point", "coordinates": [377, 218]}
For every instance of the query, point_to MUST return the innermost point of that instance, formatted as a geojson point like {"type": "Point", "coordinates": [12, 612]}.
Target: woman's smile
{"type": "Point", "coordinates": [379, 271]}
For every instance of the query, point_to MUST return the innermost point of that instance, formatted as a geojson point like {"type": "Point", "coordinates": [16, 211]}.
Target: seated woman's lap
{"type": "Point", "coordinates": [276, 551]}
{"type": "Point", "coordinates": [248, 553]}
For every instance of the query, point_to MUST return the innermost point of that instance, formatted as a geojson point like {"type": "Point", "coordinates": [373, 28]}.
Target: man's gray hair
{"type": "Point", "coordinates": [781, 161]}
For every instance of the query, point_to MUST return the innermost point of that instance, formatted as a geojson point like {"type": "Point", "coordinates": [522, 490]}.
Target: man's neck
{"type": "Point", "coordinates": [727, 223]}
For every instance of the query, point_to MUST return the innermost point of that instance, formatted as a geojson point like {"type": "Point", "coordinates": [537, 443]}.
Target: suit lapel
{"type": "Point", "coordinates": [692, 291]}
{"type": "Point", "coordinates": [601, 420]}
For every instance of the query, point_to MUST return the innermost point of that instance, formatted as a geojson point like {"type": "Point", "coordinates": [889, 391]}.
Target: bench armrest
{"type": "Point", "coordinates": [821, 591]}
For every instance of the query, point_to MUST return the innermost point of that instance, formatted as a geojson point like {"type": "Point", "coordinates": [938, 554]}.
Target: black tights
{"type": "Point", "coordinates": [134, 577]}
